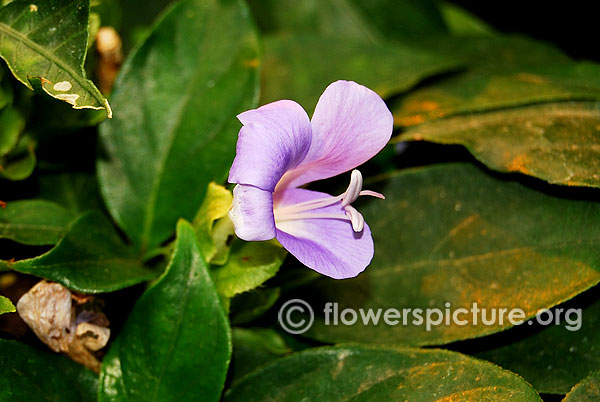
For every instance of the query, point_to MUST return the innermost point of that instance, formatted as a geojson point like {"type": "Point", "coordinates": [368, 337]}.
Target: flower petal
{"type": "Point", "coordinates": [252, 213]}
{"type": "Point", "coordinates": [329, 246]}
{"type": "Point", "coordinates": [274, 139]}
{"type": "Point", "coordinates": [351, 124]}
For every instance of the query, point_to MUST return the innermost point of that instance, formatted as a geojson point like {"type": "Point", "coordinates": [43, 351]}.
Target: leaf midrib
{"type": "Point", "coordinates": [18, 36]}
{"type": "Point", "coordinates": [185, 298]}
{"type": "Point", "coordinates": [5, 228]}
{"type": "Point", "coordinates": [157, 182]}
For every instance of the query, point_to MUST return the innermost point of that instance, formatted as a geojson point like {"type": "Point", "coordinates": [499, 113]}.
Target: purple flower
{"type": "Point", "coordinates": [280, 149]}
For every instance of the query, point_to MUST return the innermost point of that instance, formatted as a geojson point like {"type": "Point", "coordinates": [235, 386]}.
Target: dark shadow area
{"type": "Point", "coordinates": [573, 25]}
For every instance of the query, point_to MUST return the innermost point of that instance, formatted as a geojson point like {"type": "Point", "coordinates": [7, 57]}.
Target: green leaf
{"type": "Point", "coordinates": [362, 373]}
{"type": "Point", "coordinates": [91, 258]}
{"type": "Point", "coordinates": [20, 163]}
{"type": "Point", "coordinates": [455, 234]}
{"type": "Point", "coordinates": [249, 265]}
{"type": "Point", "coordinates": [301, 67]}
{"type": "Point", "coordinates": [75, 191]}
{"type": "Point", "coordinates": [371, 20]}
{"type": "Point", "coordinates": [34, 222]}
{"type": "Point", "coordinates": [6, 306]}
{"type": "Point", "coordinates": [463, 23]}
{"type": "Point", "coordinates": [6, 90]}
{"type": "Point", "coordinates": [139, 16]}
{"type": "Point", "coordinates": [503, 72]}
{"type": "Point", "coordinates": [176, 344]}
{"type": "Point", "coordinates": [555, 142]}
{"type": "Point", "coordinates": [587, 390]}
{"type": "Point", "coordinates": [11, 125]}
{"type": "Point", "coordinates": [31, 375]}
{"type": "Point", "coordinates": [212, 241]}
{"type": "Point", "coordinates": [552, 358]}
{"type": "Point", "coordinates": [253, 348]}
{"type": "Point", "coordinates": [248, 306]}
{"type": "Point", "coordinates": [45, 44]}
{"type": "Point", "coordinates": [175, 131]}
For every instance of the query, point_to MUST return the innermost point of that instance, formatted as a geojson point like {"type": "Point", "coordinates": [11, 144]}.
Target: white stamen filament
{"type": "Point", "coordinates": [301, 209]}
{"type": "Point", "coordinates": [353, 191]}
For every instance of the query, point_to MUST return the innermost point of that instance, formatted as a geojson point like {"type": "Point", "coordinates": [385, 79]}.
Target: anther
{"type": "Point", "coordinates": [357, 220]}
{"type": "Point", "coordinates": [354, 188]}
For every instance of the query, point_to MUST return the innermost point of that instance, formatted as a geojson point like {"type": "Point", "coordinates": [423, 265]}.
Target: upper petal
{"type": "Point", "coordinates": [252, 213]}
{"type": "Point", "coordinates": [329, 246]}
{"type": "Point", "coordinates": [275, 138]}
{"type": "Point", "coordinates": [351, 124]}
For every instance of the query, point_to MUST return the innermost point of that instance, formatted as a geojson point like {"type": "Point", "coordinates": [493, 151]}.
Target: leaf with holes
{"type": "Point", "coordinates": [45, 43]}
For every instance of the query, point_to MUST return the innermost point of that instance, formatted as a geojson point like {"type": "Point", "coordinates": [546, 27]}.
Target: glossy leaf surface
{"type": "Point", "coordinates": [362, 373]}
{"type": "Point", "coordinates": [176, 344]}
{"type": "Point", "coordinates": [175, 130]}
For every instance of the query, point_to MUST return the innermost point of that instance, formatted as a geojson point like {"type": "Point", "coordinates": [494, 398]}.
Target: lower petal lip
{"type": "Point", "coordinates": [326, 243]}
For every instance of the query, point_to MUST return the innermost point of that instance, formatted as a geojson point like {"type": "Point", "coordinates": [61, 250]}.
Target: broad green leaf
{"type": "Point", "coordinates": [587, 390]}
{"type": "Point", "coordinates": [556, 142]}
{"type": "Point", "coordinates": [6, 306]}
{"type": "Point", "coordinates": [455, 234]}
{"type": "Point", "coordinates": [44, 44]}
{"type": "Point", "coordinates": [91, 258]}
{"type": "Point", "coordinates": [11, 125]}
{"type": "Point", "coordinates": [249, 265]}
{"type": "Point", "coordinates": [363, 373]}
{"type": "Point", "coordinates": [176, 344]}
{"type": "Point", "coordinates": [366, 20]}
{"type": "Point", "coordinates": [212, 241]}
{"type": "Point", "coordinates": [75, 191]}
{"type": "Point", "coordinates": [552, 358]}
{"type": "Point", "coordinates": [175, 131]}
{"type": "Point", "coordinates": [503, 72]}
{"type": "Point", "coordinates": [138, 15]}
{"type": "Point", "coordinates": [34, 222]}
{"type": "Point", "coordinates": [301, 67]}
{"type": "Point", "coordinates": [463, 23]}
{"type": "Point", "coordinates": [253, 348]}
{"type": "Point", "coordinates": [248, 306]}
{"type": "Point", "coordinates": [32, 375]}
{"type": "Point", "coordinates": [20, 163]}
